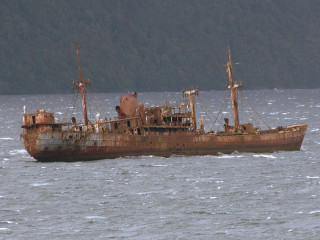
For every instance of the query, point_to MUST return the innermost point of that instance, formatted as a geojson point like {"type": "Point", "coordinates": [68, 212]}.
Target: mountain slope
{"type": "Point", "coordinates": [157, 45]}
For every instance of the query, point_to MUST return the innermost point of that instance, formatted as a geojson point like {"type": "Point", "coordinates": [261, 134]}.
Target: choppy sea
{"type": "Point", "coordinates": [237, 196]}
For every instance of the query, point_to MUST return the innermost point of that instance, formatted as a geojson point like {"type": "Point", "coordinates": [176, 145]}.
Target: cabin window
{"type": "Point", "coordinates": [115, 125]}
{"type": "Point", "coordinates": [34, 119]}
{"type": "Point", "coordinates": [128, 123]}
{"type": "Point", "coordinates": [139, 132]}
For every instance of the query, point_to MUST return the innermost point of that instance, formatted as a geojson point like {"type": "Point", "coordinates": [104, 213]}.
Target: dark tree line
{"type": "Point", "coordinates": [150, 45]}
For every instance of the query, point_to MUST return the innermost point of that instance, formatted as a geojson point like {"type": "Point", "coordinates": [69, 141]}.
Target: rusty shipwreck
{"type": "Point", "coordinates": [139, 130]}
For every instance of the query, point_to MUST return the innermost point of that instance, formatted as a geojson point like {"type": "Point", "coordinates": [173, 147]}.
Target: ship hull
{"type": "Point", "coordinates": [75, 146]}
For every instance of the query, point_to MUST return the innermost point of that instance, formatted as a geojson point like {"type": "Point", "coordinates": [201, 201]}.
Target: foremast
{"type": "Point", "coordinates": [233, 87]}
{"type": "Point", "coordinates": [82, 85]}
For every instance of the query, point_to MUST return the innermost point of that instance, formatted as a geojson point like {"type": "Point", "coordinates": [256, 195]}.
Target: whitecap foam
{"type": "Point", "coordinates": [226, 156]}
{"type": "Point", "coordinates": [9, 222]}
{"type": "Point", "coordinates": [159, 165]}
{"type": "Point", "coordinates": [95, 217]}
{"type": "Point", "coordinates": [6, 138]}
{"type": "Point", "coordinates": [315, 212]}
{"type": "Point", "coordinates": [265, 156]}
{"type": "Point", "coordinates": [316, 177]}
{"type": "Point", "coordinates": [17, 151]}
{"type": "Point", "coordinates": [39, 184]}
{"type": "Point", "coordinates": [315, 130]}
{"type": "Point", "coordinates": [143, 193]}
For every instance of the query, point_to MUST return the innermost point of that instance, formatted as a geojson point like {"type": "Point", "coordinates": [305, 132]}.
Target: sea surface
{"type": "Point", "coordinates": [237, 196]}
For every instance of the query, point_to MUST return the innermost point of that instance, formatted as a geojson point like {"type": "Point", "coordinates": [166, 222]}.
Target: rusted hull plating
{"type": "Point", "coordinates": [75, 146]}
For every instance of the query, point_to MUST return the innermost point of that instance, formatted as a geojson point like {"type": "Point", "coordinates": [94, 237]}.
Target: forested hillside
{"type": "Point", "coordinates": [152, 45]}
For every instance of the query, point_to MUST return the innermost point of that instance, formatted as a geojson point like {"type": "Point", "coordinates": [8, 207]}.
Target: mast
{"type": "Point", "coordinates": [82, 85]}
{"type": "Point", "coordinates": [233, 86]}
{"type": "Point", "coordinates": [191, 94]}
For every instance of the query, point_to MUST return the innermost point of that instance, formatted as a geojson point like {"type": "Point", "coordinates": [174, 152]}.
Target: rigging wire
{"type": "Point", "coordinates": [204, 107]}
{"type": "Point", "coordinates": [88, 103]}
{"type": "Point", "coordinates": [240, 94]}
{"type": "Point", "coordinates": [223, 107]}
{"type": "Point", "coordinates": [250, 113]}
{"type": "Point", "coordinates": [89, 94]}
{"type": "Point", "coordinates": [75, 104]}
{"type": "Point", "coordinates": [71, 105]}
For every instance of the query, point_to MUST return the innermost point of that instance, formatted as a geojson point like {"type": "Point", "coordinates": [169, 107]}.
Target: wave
{"type": "Point", "coordinates": [264, 156]}
{"type": "Point", "coordinates": [39, 184]}
{"type": "Point", "coordinates": [95, 217]}
{"type": "Point", "coordinates": [226, 156]}
{"type": "Point", "coordinates": [316, 177]}
{"type": "Point", "coordinates": [315, 212]}
{"type": "Point", "coordinates": [159, 165]}
{"type": "Point", "coordinates": [17, 151]}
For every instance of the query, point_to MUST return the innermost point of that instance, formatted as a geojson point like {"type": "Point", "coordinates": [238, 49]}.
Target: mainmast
{"type": "Point", "coordinates": [82, 85]}
{"type": "Point", "coordinates": [233, 86]}
{"type": "Point", "coordinates": [191, 94]}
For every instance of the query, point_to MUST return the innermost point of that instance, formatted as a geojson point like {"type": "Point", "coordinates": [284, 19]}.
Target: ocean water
{"type": "Point", "coordinates": [237, 196]}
